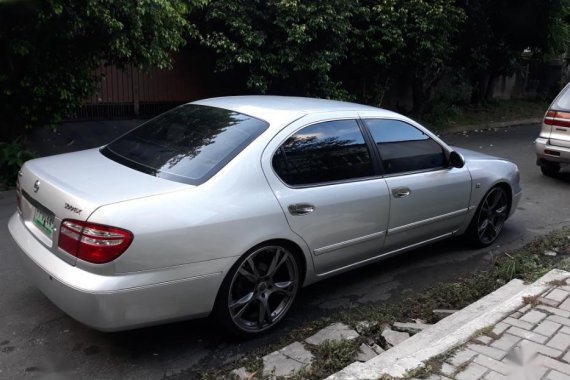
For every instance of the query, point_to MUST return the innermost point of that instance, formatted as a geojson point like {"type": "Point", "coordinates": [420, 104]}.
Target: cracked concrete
{"type": "Point", "coordinates": [287, 361]}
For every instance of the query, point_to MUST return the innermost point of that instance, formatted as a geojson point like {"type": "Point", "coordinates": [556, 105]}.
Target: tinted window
{"type": "Point", "coordinates": [404, 148]}
{"type": "Point", "coordinates": [324, 152]}
{"type": "Point", "coordinates": [188, 144]}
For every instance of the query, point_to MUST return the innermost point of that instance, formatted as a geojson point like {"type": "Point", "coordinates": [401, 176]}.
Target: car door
{"type": "Point", "coordinates": [328, 184]}
{"type": "Point", "coordinates": [429, 199]}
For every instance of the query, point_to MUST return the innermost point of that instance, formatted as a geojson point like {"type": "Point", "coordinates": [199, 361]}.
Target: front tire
{"type": "Point", "coordinates": [489, 219]}
{"type": "Point", "coordinates": [259, 290]}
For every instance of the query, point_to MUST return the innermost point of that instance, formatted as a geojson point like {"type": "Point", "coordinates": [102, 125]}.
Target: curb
{"type": "Point", "coordinates": [490, 125]}
{"type": "Point", "coordinates": [448, 333]}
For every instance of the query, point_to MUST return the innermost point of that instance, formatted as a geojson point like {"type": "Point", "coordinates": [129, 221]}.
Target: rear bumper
{"type": "Point", "coordinates": [123, 301]}
{"type": "Point", "coordinates": [559, 154]}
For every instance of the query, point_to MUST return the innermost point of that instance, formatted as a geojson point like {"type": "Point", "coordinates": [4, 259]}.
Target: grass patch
{"type": "Point", "coordinates": [329, 358]}
{"type": "Point", "coordinates": [561, 282]}
{"type": "Point", "coordinates": [533, 301]}
{"type": "Point", "coordinates": [447, 116]}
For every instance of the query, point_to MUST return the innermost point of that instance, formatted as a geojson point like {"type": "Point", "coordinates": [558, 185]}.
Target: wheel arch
{"type": "Point", "coordinates": [294, 247]}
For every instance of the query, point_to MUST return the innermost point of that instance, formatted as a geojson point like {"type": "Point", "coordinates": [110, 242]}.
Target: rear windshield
{"type": "Point", "coordinates": [188, 144]}
{"type": "Point", "coordinates": [562, 102]}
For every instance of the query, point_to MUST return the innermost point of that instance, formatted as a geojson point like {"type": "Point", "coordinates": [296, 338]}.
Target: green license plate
{"type": "Point", "coordinates": [44, 222]}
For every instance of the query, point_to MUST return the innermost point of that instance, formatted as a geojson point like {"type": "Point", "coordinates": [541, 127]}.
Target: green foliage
{"type": "Point", "coordinates": [12, 157]}
{"type": "Point", "coordinates": [50, 49]}
{"type": "Point", "coordinates": [496, 34]}
{"type": "Point", "coordinates": [282, 46]}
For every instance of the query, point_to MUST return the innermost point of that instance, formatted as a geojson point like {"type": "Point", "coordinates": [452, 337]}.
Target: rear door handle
{"type": "Point", "coordinates": [301, 208]}
{"type": "Point", "coordinates": [401, 192]}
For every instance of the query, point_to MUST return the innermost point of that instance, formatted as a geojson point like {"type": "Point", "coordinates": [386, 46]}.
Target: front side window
{"type": "Point", "coordinates": [188, 144]}
{"type": "Point", "coordinates": [325, 152]}
{"type": "Point", "coordinates": [404, 148]}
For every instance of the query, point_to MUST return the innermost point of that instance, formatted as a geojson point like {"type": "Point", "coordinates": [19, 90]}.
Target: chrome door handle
{"type": "Point", "coordinates": [401, 192]}
{"type": "Point", "coordinates": [301, 209]}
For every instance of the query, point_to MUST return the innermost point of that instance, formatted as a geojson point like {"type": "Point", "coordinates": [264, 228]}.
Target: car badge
{"type": "Point", "coordinates": [36, 186]}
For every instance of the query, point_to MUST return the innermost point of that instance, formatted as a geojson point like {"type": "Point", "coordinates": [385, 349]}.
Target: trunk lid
{"type": "Point", "coordinates": [73, 185]}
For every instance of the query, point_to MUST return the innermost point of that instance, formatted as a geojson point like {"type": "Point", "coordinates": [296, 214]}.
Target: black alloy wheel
{"type": "Point", "coordinates": [259, 291]}
{"type": "Point", "coordinates": [490, 217]}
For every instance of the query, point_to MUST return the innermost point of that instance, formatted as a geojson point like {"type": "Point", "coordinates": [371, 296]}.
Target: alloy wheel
{"type": "Point", "coordinates": [263, 289]}
{"type": "Point", "coordinates": [492, 215]}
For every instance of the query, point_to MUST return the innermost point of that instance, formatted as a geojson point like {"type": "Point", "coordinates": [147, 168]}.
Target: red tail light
{"type": "Point", "coordinates": [92, 242]}
{"type": "Point", "coordinates": [557, 119]}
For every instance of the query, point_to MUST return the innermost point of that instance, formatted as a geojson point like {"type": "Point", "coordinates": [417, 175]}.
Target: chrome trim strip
{"type": "Point", "coordinates": [347, 243]}
{"type": "Point", "coordinates": [386, 254]}
{"type": "Point", "coordinates": [426, 221]}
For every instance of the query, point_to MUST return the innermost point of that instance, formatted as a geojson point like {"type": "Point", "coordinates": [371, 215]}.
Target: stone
{"type": "Point", "coordinates": [560, 341]}
{"type": "Point", "coordinates": [558, 295]}
{"type": "Point", "coordinates": [462, 357]}
{"type": "Point", "coordinates": [377, 349]}
{"type": "Point", "coordinates": [393, 338]}
{"type": "Point", "coordinates": [365, 353]}
{"type": "Point", "coordinates": [547, 328]}
{"type": "Point", "coordinates": [287, 361]}
{"type": "Point", "coordinates": [363, 326]}
{"type": "Point", "coordinates": [550, 253]}
{"type": "Point", "coordinates": [335, 333]}
{"type": "Point", "coordinates": [472, 372]}
{"type": "Point", "coordinates": [412, 328]}
{"type": "Point", "coordinates": [506, 342]}
{"type": "Point", "coordinates": [533, 316]}
{"type": "Point", "coordinates": [241, 374]}
{"type": "Point", "coordinates": [444, 312]}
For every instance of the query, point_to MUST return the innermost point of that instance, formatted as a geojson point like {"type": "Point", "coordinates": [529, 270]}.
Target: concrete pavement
{"type": "Point", "coordinates": [521, 339]}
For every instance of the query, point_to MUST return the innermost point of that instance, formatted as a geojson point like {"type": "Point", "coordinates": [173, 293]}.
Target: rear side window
{"type": "Point", "coordinates": [324, 152]}
{"type": "Point", "coordinates": [188, 144]}
{"type": "Point", "coordinates": [404, 148]}
{"type": "Point", "coordinates": [562, 102]}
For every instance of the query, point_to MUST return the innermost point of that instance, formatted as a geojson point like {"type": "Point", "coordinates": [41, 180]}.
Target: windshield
{"type": "Point", "coordinates": [188, 144]}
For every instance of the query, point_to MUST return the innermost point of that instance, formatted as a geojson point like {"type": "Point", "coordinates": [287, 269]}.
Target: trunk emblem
{"type": "Point", "coordinates": [37, 186]}
{"type": "Point", "coordinates": [72, 209]}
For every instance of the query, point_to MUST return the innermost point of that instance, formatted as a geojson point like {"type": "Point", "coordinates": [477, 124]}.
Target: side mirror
{"type": "Point", "coordinates": [456, 160]}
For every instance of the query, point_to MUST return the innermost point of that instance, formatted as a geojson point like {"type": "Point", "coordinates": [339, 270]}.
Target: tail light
{"type": "Point", "coordinates": [557, 119]}
{"type": "Point", "coordinates": [94, 243]}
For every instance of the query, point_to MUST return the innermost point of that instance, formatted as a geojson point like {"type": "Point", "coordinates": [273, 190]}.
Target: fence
{"type": "Point", "coordinates": [130, 92]}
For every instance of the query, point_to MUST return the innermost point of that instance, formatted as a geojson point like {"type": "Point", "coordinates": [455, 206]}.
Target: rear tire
{"type": "Point", "coordinates": [489, 219]}
{"type": "Point", "coordinates": [550, 170]}
{"type": "Point", "coordinates": [258, 291]}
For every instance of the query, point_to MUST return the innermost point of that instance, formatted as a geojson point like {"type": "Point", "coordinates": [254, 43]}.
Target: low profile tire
{"type": "Point", "coordinates": [259, 291]}
{"type": "Point", "coordinates": [550, 170]}
{"type": "Point", "coordinates": [489, 219]}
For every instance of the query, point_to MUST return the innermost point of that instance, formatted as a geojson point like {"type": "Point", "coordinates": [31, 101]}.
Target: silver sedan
{"type": "Point", "coordinates": [231, 205]}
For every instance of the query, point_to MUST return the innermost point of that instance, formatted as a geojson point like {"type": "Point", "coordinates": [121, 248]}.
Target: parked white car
{"type": "Point", "coordinates": [233, 204]}
{"type": "Point", "coordinates": [553, 144]}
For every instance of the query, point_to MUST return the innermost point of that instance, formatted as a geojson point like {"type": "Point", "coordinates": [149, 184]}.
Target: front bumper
{"type": "Point", "coordinates": [122, 301]}
{"type": "Point", "coordinates": [559, 154]}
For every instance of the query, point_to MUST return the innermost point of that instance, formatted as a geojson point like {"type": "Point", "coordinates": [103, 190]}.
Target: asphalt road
{"type": "Point", "coordinates": [38, 341]}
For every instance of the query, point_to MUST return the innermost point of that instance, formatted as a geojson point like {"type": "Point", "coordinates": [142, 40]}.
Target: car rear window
{"type": "Point", "coordinates": [562, 102]}
{"type": "Point", "coordinates": [188, 144]}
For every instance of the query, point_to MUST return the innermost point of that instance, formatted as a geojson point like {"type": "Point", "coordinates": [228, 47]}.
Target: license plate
{"type": "Point", "coordinates": [44, 222]}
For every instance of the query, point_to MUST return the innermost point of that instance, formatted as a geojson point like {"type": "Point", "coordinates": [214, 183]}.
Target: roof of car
{"type": "Point", "coordinates": [277, 109]}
